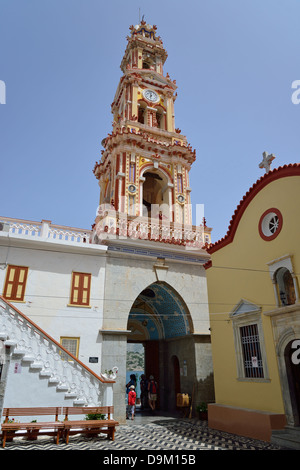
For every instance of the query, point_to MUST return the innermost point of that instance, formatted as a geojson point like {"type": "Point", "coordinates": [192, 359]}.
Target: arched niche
{"type": "Point", "coordinates": [156, 193]}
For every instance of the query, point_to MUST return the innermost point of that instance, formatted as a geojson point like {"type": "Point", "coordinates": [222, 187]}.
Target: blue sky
{"type": "Point", "coordinates": [234, 62]}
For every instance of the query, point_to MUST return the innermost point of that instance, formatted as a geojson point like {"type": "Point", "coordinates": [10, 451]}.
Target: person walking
{"type": "Point", "coordinates": [144, 392]}
{"type": "Point", "coordinates": [152, 393]}
{"type": "Point", "coordinates": [132, 381]}
{"type": "Point", "coordinates": [131, 401]}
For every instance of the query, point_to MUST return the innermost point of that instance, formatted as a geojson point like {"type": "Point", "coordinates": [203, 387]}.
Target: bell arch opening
{"type": "Point", "coordinates": [156, 201]}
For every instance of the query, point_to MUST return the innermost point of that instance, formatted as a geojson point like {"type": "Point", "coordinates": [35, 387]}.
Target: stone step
{"type": "Point", "coordinates": [28, 358]}
{"type": "Point", "coordinates": [19, 352]}
{"type": "Point", "coordinates": [288, 437]}
{"type": "Point", "coordinates": [10, 342]}
{"type": "Point", "coordinates": [79, 402]}
{"type": "Point", "coordinates": [45, 373]}
{"type": "Point", "coordinates": [36, 365]}
{"type": "Point", "coordinates": [70, 395]}
{"type": "Point", "coordinates": [62, 387]}
{"type": "Point", "coordinates": [54, 380]}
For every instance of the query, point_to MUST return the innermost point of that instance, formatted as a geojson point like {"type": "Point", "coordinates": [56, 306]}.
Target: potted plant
{"type": "Point", "coordinates": [202, 411]}
{"type": "Point", "coordinates": [94, 417]}
{"type": "Point", "coordinates": [11, 433]}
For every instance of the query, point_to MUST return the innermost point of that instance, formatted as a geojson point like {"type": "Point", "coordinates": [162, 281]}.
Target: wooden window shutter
{"type": "Point", "coordinates": [80, 290]}
{"type": "Point", "coordinates": [15, 283]}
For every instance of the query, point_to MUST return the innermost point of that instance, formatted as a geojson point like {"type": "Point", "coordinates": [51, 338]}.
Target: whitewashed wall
{"type": "Point", "coordinates": [48, 288]}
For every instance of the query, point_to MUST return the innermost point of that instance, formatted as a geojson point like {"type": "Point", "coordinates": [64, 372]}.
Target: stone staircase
{"type": "Point", "coordinates": [43, 355]}
{"type": "Point", "coordinates": [289, 437]}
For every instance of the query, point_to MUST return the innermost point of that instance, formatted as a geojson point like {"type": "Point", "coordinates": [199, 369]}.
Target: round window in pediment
{"type": "Point", "coordinates": [270, 224]}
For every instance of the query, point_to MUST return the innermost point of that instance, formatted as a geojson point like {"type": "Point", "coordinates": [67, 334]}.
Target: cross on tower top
{"type": "Point", "coordinates": [266, 161]}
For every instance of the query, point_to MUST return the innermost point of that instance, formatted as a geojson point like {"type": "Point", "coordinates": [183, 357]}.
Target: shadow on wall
{"type": "Point", "coordinates": [204, 391]}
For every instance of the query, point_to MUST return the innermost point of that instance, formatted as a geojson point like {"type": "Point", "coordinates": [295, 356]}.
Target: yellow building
{"type": "Point", "coordinates": [254, 305]}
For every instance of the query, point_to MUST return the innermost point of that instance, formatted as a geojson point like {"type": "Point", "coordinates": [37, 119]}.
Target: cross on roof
{"type": "Point", "coordinates": [266, 161]}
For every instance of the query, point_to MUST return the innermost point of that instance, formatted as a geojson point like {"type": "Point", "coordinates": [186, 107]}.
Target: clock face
{"type": "Point", "coordinates": [151, 95]}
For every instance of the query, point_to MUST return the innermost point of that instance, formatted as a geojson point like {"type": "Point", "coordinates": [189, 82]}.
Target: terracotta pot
{"type": "Point", "coordinates": [203, 415]}
{"type": "Point", "coordinates": [10, 435]}
{"type": "Point", "coordinates": [32, 435]}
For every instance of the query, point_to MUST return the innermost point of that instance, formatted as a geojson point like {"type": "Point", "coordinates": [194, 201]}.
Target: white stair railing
{"type": "Point", "coordinates": [43, 353]}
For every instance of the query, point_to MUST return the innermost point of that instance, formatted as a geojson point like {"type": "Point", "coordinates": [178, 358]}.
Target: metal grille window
{"type": "Point", "coordinates": [253, 365]}
{"type": "Point", "coordinates": [72, 345]}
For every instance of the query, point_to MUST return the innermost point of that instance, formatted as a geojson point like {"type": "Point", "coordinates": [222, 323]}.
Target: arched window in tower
{"type": "Point", "coordinates": [155, 196]}
{"type": "Point", "coordinates": [142, 113]}
{"type": "Point", "coordinates": [148, 61]}
{"type": "Point", "coordinates": [160, 118]}
{"type": "Point", "coordinates": [285, 287]}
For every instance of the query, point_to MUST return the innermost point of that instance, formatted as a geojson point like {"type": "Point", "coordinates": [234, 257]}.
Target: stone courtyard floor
{"type": "Point", "coordinates": [152, 433]}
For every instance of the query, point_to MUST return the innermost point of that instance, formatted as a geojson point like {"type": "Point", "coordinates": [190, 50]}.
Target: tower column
{"type": "Point", "coordinates": [134, 104]}
{"type": "Point", "coordinates": [170, 112]}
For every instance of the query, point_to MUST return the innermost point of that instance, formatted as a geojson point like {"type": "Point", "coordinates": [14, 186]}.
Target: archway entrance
{"type": "Point", "coordinates": [293, 379]}
{"type": "Point", "coordinates": [160, 321]}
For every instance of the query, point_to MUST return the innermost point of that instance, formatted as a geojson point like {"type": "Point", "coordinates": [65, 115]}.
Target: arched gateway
{"type": "Point", "coordinates": [160, 320]}
{"type": "Point", "coordinates": [142, 304]}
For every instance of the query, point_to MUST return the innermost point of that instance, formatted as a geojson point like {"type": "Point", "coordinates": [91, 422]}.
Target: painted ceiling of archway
{"type": "Point", "coordinates": [160, 311]}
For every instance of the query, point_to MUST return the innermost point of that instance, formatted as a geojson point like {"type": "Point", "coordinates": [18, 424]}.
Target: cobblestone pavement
{"type": "Point", "coordinates": [159, 434]}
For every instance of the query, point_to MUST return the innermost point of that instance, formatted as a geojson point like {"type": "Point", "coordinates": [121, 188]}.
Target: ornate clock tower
{"type": "Point", "coordinates": [144, 170]}
{"type": "Point", "coordinates": [155, 284]}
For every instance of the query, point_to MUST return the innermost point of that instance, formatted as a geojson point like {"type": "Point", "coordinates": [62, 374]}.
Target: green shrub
{"type": "Point", "coordinates": [94, 416]}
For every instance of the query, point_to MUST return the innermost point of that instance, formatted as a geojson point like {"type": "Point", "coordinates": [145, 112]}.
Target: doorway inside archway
{"type": "Point", "coordinates": [293, 376]}
{"type": "Point", "coordinates": [160, 321]}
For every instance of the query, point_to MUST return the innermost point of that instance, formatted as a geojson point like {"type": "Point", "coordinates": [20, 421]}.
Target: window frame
{"type": "Point", "coordinates": [245, 319]}
{"type": "Point", "coordinates": [274, 266]}
{"type": "Point", "coordinates": [282, 288]}
{"type": "Point", "coordinates": [15, 283]}
{"type": "Point", "coordinates": [264, 231]}
{"type": "Point", "coordinates": [251, 350]}
{"type": "Point", "coordinates": [80, 289]}
{"type": "Point", "coordinates": [64, 356]}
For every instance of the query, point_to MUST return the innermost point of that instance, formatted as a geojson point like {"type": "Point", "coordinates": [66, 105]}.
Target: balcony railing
{"type": "Point", "coordinates": [44, 230]}
{"type": "Point", "coordinates": [112, 225]}
{"type": "Point", "coordinates": [117, 225]}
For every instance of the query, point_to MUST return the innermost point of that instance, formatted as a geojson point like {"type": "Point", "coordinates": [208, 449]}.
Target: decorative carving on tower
{"type": "Point", "coordinates": [144, 169]}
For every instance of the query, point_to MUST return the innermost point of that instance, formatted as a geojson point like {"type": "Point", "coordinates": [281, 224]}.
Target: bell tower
{"type": "Point", "coordinates": [154, 287]}
{"type": "Point", "coordinates": [145, 164]}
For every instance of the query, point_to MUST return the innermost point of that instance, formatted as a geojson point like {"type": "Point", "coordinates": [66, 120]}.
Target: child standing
{"type": "Point", "coordinates": [131, 400]}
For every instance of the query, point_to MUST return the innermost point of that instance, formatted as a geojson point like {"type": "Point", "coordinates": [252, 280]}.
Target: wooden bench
{"type": "Point", "coordinates": [87, 426]}
{"type": "Point", "coordinates": [33, 429]}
